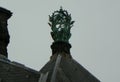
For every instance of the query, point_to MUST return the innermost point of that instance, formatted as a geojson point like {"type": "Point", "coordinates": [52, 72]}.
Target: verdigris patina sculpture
{"type": "Point", "coordinates": [60, 23]}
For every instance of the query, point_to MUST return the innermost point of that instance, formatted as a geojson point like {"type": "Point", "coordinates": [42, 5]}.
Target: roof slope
{"type": "Point", "coordinates": [15, 72]}
{"type": "Point", "coordinates": [68, 71]}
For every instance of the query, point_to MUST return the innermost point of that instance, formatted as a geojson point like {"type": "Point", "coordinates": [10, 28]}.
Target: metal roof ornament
{"type": "Point", "coordinates": [60, 23]}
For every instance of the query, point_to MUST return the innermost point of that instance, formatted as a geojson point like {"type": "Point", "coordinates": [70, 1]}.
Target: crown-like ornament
{"type": "Point", "coordinates": [60, 23]}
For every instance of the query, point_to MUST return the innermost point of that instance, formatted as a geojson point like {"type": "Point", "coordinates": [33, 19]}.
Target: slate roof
{"type": "Point", "coordinates": [68, 71]}
{"type": "Point", "coordinates": [16, 72]}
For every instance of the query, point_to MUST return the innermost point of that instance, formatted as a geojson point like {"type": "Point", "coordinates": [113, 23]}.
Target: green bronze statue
{"type": "Point", "coordinates": [60, 23]}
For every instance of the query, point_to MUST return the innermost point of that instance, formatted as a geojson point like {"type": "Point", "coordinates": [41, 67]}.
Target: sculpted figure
{"type": "Point", "coordinates": [4, 34]}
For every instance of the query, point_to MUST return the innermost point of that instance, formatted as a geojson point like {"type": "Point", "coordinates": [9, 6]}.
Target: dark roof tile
{"type": "Point", "coordinates": [69, 71]}
{"type": "Point", "coordinates": [10, 72]}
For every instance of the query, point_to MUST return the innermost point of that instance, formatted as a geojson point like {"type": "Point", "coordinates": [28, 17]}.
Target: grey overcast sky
{"type": "Point", "coordinates": [95, 36]}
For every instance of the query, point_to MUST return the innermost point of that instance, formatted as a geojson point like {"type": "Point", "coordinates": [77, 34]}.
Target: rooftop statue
{"type": "Point", "coordinates": [60, 23]}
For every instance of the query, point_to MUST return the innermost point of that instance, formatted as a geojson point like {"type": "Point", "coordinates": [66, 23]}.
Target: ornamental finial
{"type": "Point", "coordinates": [60, 23]}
